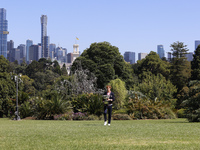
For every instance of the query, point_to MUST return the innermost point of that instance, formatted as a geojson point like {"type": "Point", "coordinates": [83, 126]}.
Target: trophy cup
{"type": "Point", "coordinates": [106, 97]}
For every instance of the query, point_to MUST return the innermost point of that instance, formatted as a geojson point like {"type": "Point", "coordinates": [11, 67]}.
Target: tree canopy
{"type": "Point", "coordinates": [106, 62]}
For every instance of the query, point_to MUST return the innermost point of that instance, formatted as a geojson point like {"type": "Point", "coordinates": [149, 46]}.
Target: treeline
{"type": "Point", "coordinates": [153, 88]}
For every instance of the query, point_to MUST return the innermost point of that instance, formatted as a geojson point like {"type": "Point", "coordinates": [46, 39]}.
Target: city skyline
{"type": "Point", "coordinates": [143, 25]}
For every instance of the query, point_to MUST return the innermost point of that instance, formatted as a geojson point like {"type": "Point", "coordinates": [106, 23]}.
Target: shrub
{"type": "Point", "coordinates": [66, 116]}
{"type": "Point", "coordinates": [121, 117]}
{"type": "Point", "coordinates": [181, 113]}
{"type": "Point", "coordinates": [79, 116]}
{"type": "Point", "coordinates": [92, 117]}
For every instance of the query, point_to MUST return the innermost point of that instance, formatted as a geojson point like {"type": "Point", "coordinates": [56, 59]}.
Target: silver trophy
{"type": "Point", "coordinates": [106, 97]}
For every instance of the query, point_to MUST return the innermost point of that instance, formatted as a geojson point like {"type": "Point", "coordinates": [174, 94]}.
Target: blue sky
{"type": "Point", "coordinates": [130, 25]}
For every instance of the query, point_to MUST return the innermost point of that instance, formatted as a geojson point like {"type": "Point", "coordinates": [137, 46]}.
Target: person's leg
{"type": "Point", "coordinates": [105, 113]}
{"type": "Point", "coordinates": [109, 114]}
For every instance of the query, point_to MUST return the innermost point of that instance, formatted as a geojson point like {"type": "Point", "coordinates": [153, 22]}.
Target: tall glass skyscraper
{"type": "Point", "coordinates": [160, 51]}
{"type": "Point", "coordinates": [43, 33]}
{"type": "Point", "coordinates": [28, 44]}
{"type": "Point", "coordinates": [3, 32]}
{"type": "Point", "coordinates": [46, 47]}
{"type": "Point", "coordinates": [129, 57]}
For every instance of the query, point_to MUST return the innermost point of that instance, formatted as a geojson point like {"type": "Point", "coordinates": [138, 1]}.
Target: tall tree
{"type": "Point", "coordinates": [195, 64]}
{"type": "Point", "coordinates": [152, 63]}
{"type": "Point", "coordinates": [106, 62]}
{"type": "Point", "coordinates": [180, 71]}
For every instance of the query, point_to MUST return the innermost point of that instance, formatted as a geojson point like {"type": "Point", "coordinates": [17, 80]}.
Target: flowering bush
{"type": "Point", "coordinates": [79, 116]}
{"type": "Point", "coordinates": [66, 116]}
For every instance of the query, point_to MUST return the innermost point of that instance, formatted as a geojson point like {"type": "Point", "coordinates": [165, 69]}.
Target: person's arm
{"type": "Point", "coordinates": [112, 97]}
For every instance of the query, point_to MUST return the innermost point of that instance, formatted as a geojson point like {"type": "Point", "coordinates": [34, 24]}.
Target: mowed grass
{"type": "Point", "coordinates": [92, 135]}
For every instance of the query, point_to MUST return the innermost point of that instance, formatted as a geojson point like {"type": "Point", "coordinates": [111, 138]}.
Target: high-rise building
{"type": "Point", "coordinates": [46, 47]}
{"type": "Point", "coordinates": [169, 56]}
{"type": "Point", "coordinates": [14, 55]}
{"type": "Point", "coordinates": [129, 57]}
{"type": "Point", "coordinates": [69, 57]}
{"type": "Point", "coordinates": [3, 32]}
{"type": "Point", "coordinates": [160, 51]}
{"type": "Point", "coordinates": [34, 52]}
{"type": "Point", "coordinates": [189, 56]}
{"type": "Point", "coordinates": [28, 44]}
{"type": "Point", "coordinates": [52, 48]}
{"type": "Point", "coordinates": [22, 49]}
{"type": "Point", "coordinates": [197, 43]}
{"type": "Point", "coordinates": [10, 46]}
{"type": "Point", "coordinates": [43, 33]}
{"type": "Point", "coordinates": [142, 55]}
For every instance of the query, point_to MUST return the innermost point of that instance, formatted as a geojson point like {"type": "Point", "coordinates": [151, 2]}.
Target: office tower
{"type": "Point", "coordinates": [22, 49]}
{"type": "Point", "coordinates": [28, 44]}
{"type": "Point", "coordinates": [189, 56]}
{"type": "Point", "coordinates": [52, 49]}
{"type": "Point", "coordinates": [169, 56]}
{"type": "Point", "coordinates": [75, 52]}
{"type": "Point", "coordinates": [46, 47]}
{"type": "Point", "coordinates": [142, 55]}
{"type": "Point", "coordinates": [34, 53]}
{"type": "Point", "coordinates": [160, 51]}
{"type": "Point", "coordinates": [43, 33]}
{"type": "Point", "coordinates": [15, 55]}
{"type": "Point", "coordinates": [197, 43]}
{"type": "Point", "coordinates": [65, 55]}
{"type": "Point", "coordinates": [129, 57]}
{"type": "Point", "coordinates": [3, 32]}
{"type": "Point", "coordinates": [10, 46]}
{"type": "Point", "coordinates": [69, 57]}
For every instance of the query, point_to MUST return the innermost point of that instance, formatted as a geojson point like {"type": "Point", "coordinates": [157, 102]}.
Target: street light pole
{"type": "Point", "coordinates": [17, 78]}
{"type": "Point", "coordinates": [17, 111]}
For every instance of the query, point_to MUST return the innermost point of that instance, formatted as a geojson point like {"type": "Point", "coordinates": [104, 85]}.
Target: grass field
{"type": "Point", "coordinates": [92, 135]}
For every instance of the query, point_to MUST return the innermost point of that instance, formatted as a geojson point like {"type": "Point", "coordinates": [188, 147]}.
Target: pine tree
{"type": "Point", "coordinates": [195, 64]}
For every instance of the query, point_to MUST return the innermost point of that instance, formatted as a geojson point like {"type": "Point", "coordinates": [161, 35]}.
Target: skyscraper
{"type": "Point", "coordinates": [34, 52]}
{"type": "Point", "coordinates": [142, 55]}
{"type": "Point", "coordinates": [43, 33]}
{"type": "Point", "coordinates": [28, 44]}
{"type": "Point", "coordinates": [3, 32]}
{"type": "Point", "coordinates": [197, 43]}
{"type": "Point", "coordinates": [10, 46]}
{"type": "Point", "coordinates": [169, 56]}
{"type": "Point", "coordinates": [189, 56]}
{"type": "Point", "coordinates": [160, 51]}
{"type": "Point", "coordinates": [46, 47]}
{"type": "Point", "coordinates": [52, 48]}
{"type": "Point", "coordinates": [22, 49]}
{"type": "Point", "coordinates": [129, 57]}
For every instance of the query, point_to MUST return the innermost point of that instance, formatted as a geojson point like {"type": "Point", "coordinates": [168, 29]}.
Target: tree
{"type": "Point", "coordinates": [179, 50]}
{"type": "Point", "coordinates": [7, 89]}
{"type": "Point", "coordinates": [180, 71]}
{"type": "Point", "coordinates": [64, 70]}
{"type": "Point", "coordinates": [119, 90]}
{"type": "Point", "coordinates": [106, 62]}
{"type": "Point", "coordinates": [156, 87]}
{"type": "Point", "coordinates": [195, 64]}
{"type": "Point", "coordinates": [152, 63]}
{"type": "Point", "coordinates": [192, 102]}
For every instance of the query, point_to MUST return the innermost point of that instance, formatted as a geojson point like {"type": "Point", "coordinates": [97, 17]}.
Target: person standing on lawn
{"type": "Point", "coordinates": [108, 104]}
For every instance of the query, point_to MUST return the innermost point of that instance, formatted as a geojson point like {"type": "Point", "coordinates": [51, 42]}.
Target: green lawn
{"type": "Point", "coordinates": [92, 135]}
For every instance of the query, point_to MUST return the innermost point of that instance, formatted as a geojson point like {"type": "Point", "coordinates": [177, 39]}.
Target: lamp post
{"type": "Point", "coordinates": [17, 80]}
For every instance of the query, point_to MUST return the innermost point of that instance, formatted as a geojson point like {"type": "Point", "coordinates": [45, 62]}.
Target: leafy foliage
{"type": "Point", "coordinates": [119, 90]}
{"type": "Point", "coordinates": [157, 87]}
{"type": "Point", "coordinates": [140, 107]}
{"type": "Point", "coordinates": [105, 61]}
{"type": "Point", "coordinates": [195, 65]}
{"type": "Point", "coordinates": [192, 102]}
